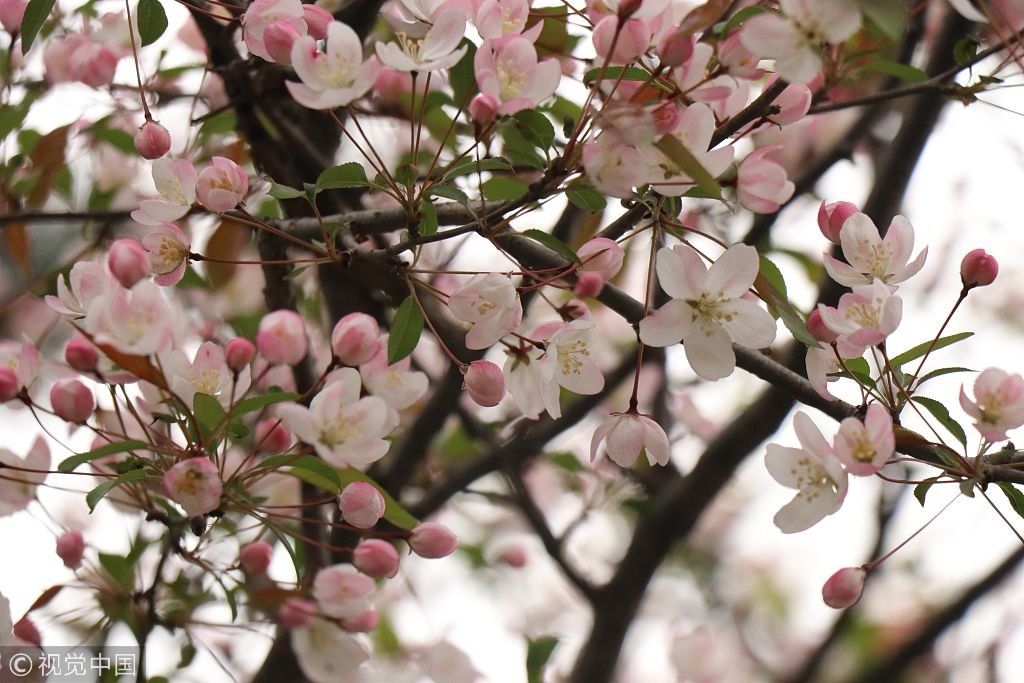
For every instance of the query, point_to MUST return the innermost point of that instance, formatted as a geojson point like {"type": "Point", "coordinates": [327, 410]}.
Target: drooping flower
{"type": "Point", "coordinates": [865, 317]}
{"type": "Point", "coordinates": [175, 181]}
{"type": "Point", "coordinates": [222, 185]}
{"type": "Point", "coordinates": [525, 379]}
{"type": "Point", "coordinates": [509, 72]}
{"type": "Point", "coordinates": [491, 303]}
{"type": "Point", "coordinates": [870, 257]}
{"type": "Point", "coordinates": [844, 588]}
{"type": "Point", "coordinates": [261, 15]}
{"type": "Point", "coordinates": [568, 363]}
{"type": "Point", "coordinates": [18, 486]}
{"type": "Point", "coordinates": [422, 47]}
{"type": "Point", "coordinates": [626, 435]}
{"type": "Point", "coordinates": [328, 654]}
{"type": "Point", "coordinates": [813, 470]}
{"type": "Point", "coordinates": [340, 591]}
{"type": "Point", "coordinates": [865, 447]}
{"type": "Point", "coordinates": [761, 183]}
{"type": "Point", "coordinates": [998, 404]}
{"type": "Point", "coordinates": [707, 312]}
{"type": "Point", "coordinates": [333, 78]}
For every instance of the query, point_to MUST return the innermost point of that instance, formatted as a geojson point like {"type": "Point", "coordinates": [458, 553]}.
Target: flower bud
{"type": "Point", "coordinates": [432, 540]}
{"type": "Point", "coordinates": [602, 256]}
{"type": "Point", "coordinates": [377, 558]}
{"type": "Point", "coordinates": [8, 384]}
{"type": "Point", "coordinates": [222, 185]}
{"type": "Point", "coordinates": [818, 329]}
{"type": "Point", "coordinates": [282, 337]}
{"type": "Point", "coordinates": [831, 218]}
{"type": "Point", "coordinates": [255, 558]}
{"type": "Point", "coordinates": [26, 630]}
{"type": "Point", "coordinates": [128, 261]}
{"type": "Point", "coordinates": [72, 401]}
{"type": "Point", "coordinates": [485, 383]}
{"type": "Point", "coordinates": [978, 269]}
{"type": "Point", "coordinates": [239, 353]}
{"type": "Point", "coordinates": [675, 50]}
{"type": "Point", "coordinates": [362, 505]}
{"type": "Point", "coordinates": [272, 436]}
{"type": "Point", "coordinates": [513, 556]}
{"type": "Point", "coordinates": [355, 339]}
{"type": "Point", "coordinates": [296, 613]}
{"type": "Point", "coordinates": [81, 355]}
{"type": "Point", "coordinates": [195, 485]}
{"type": "Point", "coordinates": [317, 20]}
{"type": "Point", "coordinates": [844, 588]}
{"type": "Point", "coordinates": [11, 14]}
{"type": "Point", "coordinates": [340, 591]}
{"type": "Point", "coordinates": [152, 141]}
{"type": "Point", "coordinates": [483, 110]}
{"type": "Point", "coordinates": [278, 38]}
{"type": "Point", "coordinates": [71, 548]}
{"type": "Point", "coordinates": [363, 622]}
{"type": "Point", "coordinates": [588, 285]}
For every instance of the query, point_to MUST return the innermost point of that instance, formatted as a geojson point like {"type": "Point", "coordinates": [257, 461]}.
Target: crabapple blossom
{"type": "Point", "coordinates": [978, 269]}
{"type": "Point", "coordinates": [818, 329]}
{"type": "Point", "coordinates": [340, 591]}
{"type": "Point", "coordinates": [281, 337]}
{"type": "Point", "coordinates": [169, 251]}
{"type": "Point", "coordinates": [345, 430]}
{"type": "Point", "coordinates": [222, 185]}
{"type": "Point", "coordinates": [525, 378]}
{"type": "Point", "coordinates": [336, 77]}
{"type": "Point", "coordinates": [76, 57]}
{"type": "Point", "coordinates": [509, 72]}
{"type": "Point", "coordinates": [695, 127]}
{"type": "Point", "coordinates": [86, 282]}
{"type": "Point", "coordinates": [22, 360]}
{"type": "Point", "coordinates": [296, 612]}
{"type": "Point", "coordinates": [138, 321]}
{"type": "Point", "coordinates": [422, 47]}
{"type": "Point", "coordinates": [208, 373]}
{"type": "Point", "coordinates": [761, 184]}
{"type": "Point", "coordinates": [355, 339]}
{"type": "Point", "coordinates": [626, 435]}
{"type": "Point", "coordinates": [707, 311]}
{"type": "Point", "coordinates": [496, 19]}
{"type": "Point", "coordinates": [820, 364]}
{"type": "Point", "coordinates": [588, 285]}
{"type": "Point", "coordinates": [844, 588]}
{"type": "Point", "coordinates": [794, 39]}
{"type": "Point", "coordinates": [485, 383]}
{"type": "Point", "coordinates": [361, 504]}
{"type": "Point", "coordinates": [602, 256]}
{"type": "Point", "coordinates": [568, 363]}
{"type": "Point", "coordinates": [23, 475]}
{"type": "Point", "coordinates": [272, 436]}
{"type": "Point", "coordinates": [621, 42]}
{"type": "Point", "coordinates": [813, 470]}
{"type": "Point", "coordinates": [238, 353]}
{"type": "Point", "coordinates": [998, 404]}
{"type": "Point", "coordinates": [363, 622]}
{"type": "Point", "coordinates": [793, 102]}
{"type": "Point", "coordinates": [317, 20]}
{"type": "Point", "coordinates": [614, 166]}
{"type": "Point", "coordinates": [483, 109]}
{"type": "Point", "coordinates": [396, 384]}
{"type": "Point", "coordinates": [195, 485]}
{"type": "Point", "coordinates": [152, 141]}
{"type": "Point", "coordinates": [175, 181]}
{"type": "Point", "coordinates": [376, 557]}
{"type": "Point", "coordinates": [71, 549]}
{"type": "Point", "coordinates": [432, 540]}
{"type": "Point", "coordinates": [128, 261]}
{"type": "Point", "coordinates": [278, 39]}
{"type": "Point", "coordinates": [832, 217]}
{"type": "Point", "coordinates": [865, 447]}
{"type": "Point", "coordinates": [255, 558]}
{"type": "Point", "coordinates": [263, 14]}
{"type": "Point", "coordinates": [327, 653]}
{"type": "Point", "coordinates": [865, 317]}
{"type": "Point", "coordinates": [491, 304]}
{"type": "Point", "coordinates": [72, 401]}
{"type": "Point", "coordinates": [871, 257]}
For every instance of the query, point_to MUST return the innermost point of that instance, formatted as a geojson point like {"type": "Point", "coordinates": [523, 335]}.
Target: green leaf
{"type": "Point", "coordinates": [98, 493]}
{"type": "Point", "coordinates": [258, 402]}
{"type": "Point", "coordinates": [921, 349]}
{"type": "Point", "coordinates": [537, 128]}
{"type": "Point", "coordinates": [890, 17]}
{"type": "Point", "coordinates": [467, 166]}
{"type": "Point", "coordinates": [502, 188]}
{"type": "Point", "coordinates": [1013, 495]}
{"type": "Point", "coordinates": [921, 490]}
{"type": "Point", "coordinates": [393, 510]}
{"type": "Point", "coordinates": [684, 160]}
{"type": "Point", "coordinates": [612, 73]}
{"type": "Point", "coordinates": [737, 19]}
{"type": "Point", "coordinates": [278, 191]}
{"type": "Point", "coordinates": [405, 330]}
{"type": "Point", "coordinates": [773, 275]}
{"type": "Point", "coordinates": [586, 198]}
{"type": "Point", "coordinates": [522, 152]}
{"type": "Point", "coordinates": [538, 652]}
{"type": "Point", "coordinates": [12, 116]}
{"type": "Point", "coordinates": [448, 192]}
{"type": "Point", "coordinates": [119, 139]}
{"type": "Point", "coordinates": [939, 373]}
{"type": "Point", "coordinates": [69, 464]}
{"type": "Point", "coordinates": [462, 76]}
{"type": "Point", "coordinates": [428, 222]}
{"type": "Point", "coordinates": [342, 176]}
{"type": "Point", "coordinates": [317, 472]}
{"type": "Point", "coordinates": [940, 413]}
{"type": "Point", "coordinates": [152, 21]}
{"type": "Point", "coordinates": [781, 306]}
{"type": "Point", "coordinates": [208, 411]}
{"type": "Point", "coordinates": [36, 13]}
{"type": "Point", "coordinates": [965, 50]}
{"type": "Point", "coordinates": [120, 569]}
{"type": "Point", "coordinates": [553, 243]}
{"type": "Point", "coordinates": [904, 72]}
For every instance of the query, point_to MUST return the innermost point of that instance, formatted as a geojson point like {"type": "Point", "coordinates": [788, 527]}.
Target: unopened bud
{"type": "Point", "coordinates": [281, 338]}
{"type": "Point", "coordinates": [239, 353]}
{"type": "Point", "coordinates": [844, 588]}
{"type": "Point", "coordinates": [485, 383]}
{"type": "Point", "coordinates": [255, 558]}
{"type": "Point", "coordinates": [483, 110]}
{"type": "Point", "coordinates": [376, 557]}
{"type": "Point", "coordinates": [978, 269]}
{"type": "Point", "coordinates": [8, 384]}
{"type": "Point", "coordinates": [152, 141]}
{"type": "Point", "coordinates": [432, 540]}
{"type": "Point", "coordinates": [81, 355]}
{"type": "Point", "coordinates": [676, 50]}
{"type": "Point", "coordinates": [278, 38]}
{"type": "Point", "coordinates": [72, 401]}
{"type": "Point", "coordinates": [272, 436]}
{"type": "Point", "coordinates": [588, 285]}
{"type": "Point", "coordinates": [818, 329]}
{"type": "Point", "coordinates": [296, 613]}
{"type": "Point", "coordinates": [831, 218]}
{"type": "Point", "coordinates": [71, 548]}
{"type": "Point", "coordinates": [355, 339]}
{"type": "Point", "coordinates": [362, 505]}
{"type": "Point", "coordinates": [128, 261]}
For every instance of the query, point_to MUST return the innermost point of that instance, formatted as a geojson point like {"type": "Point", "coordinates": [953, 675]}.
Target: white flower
{"type": "Point", "coordinates": [526, 380]}
{"type": "Point", "coordinates": [208, 373]}
{"type": "Point", "coordinates": [17, 487]}
{"type": "Point", "coordinates": [568, 361]}
{"type": "Point", "coordinates": [327, 654]}
{"type": "Point", "coordinates": [873, 258]}
{"type": "Point", "coordinates": [491, 303]}
{"type": "Point", "coordinates": [998, 404]}
{"type": "Point", "coordinates": [335, 77]}
{"type": "Point", "coordinates": [865, 317]}
{"type": "Point", "coordinates": [627, 434]}
{"type": "Point", "coordinates": [175, 180]}
{"type": "Point", "coordinates": [399, 386]}
{"type": "Point", "coordinates": [421, 47]}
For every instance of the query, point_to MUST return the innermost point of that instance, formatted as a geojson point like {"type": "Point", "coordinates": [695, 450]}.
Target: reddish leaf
{"type": "Point", "coordinates": [226, 243]}
{"type": "Point", "coordinates": [45, 597]}
{"type": "Point", "coordinates": [140, 366]}
{"type": "Point", "coordinates": [47, 160]}
{"type": "Point", "coordinates": [702, 17]}
{"type": "Point", "coordinates": [16, 237]}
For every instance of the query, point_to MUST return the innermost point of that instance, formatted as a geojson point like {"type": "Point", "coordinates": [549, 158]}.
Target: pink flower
{"type": "Point", "coordinates": [296, 612]}
{"type": "Point", "coordinates": [138, 320]}
{"type": "Point", "coordinates": [317, 20]}
{"type": "Point", "coordinates": [602, 256]}
{"type": "Point", "coordinates": [361, 504]}
{"type": "Point", "coordinates": [71, 549]}
{"type": "Point", "coordinates": [794, 102]}
{"type": "Point", "coordinates": [195, 485]}
{"type": "Point", "coordinates": [72, 401]}
{"type": "Point", "coordinates": [255, 558]}
{"type": "Point", "coordinates": [865, 317]}
{"type": "Point", "coordinates": [355, 339]}
{"type": "Point", "coordinates": [279, 39]}
{"type": "Point", "coordinates": [340, 591]}
{"type": "Point", "coordinates": [376, 557]}
{"type": "Point", "coordinates": [485, 383]}
{"type": "Point", "coordinates": [78, 57]}
{"type": "Point", "coordinates": [707, 311]}
{"type": "Point", "coordinates": [175, 180]}
{"type": "Point", "coordinates": [423, 47]}
{"type": "Point", "coordinates": [813, 470]}
{"type": "Point", "coordinates": [208, 373]}
{"type": "Point", "coordinates": [152, 141]}
{"type": "Point", "coordinates": [22, 360]}
{"type": "Point", "coordinates": [588, 285]}
{"type": "Point", "coordinates": [761, 183]}
{"type": "Point", "coordinates": [27, 631]}
{"type": "Point", "coordinates": [871, 257]}
{"type": "Point", "coordinates": [22, 476]}
{"type": "Point", "coordinates": [634, 39]}
{"type": "Point", "coordinates": [844, 588]}
{"type": "Point", "coordinates": [222, 185]}
{"type": "Point", "coordinates": [86, 282]}
{"type": "Point", "coordinates": [694, 130]}
{"type": "Point", "coordinates": [568, 362]}
{"type": "Point", "coordinates": [740, 61]}
{"type": "Point", "coordinates": [818, 329]}
{"type": "Point", "coordinates": [262, 14]}
{"type": "Point", "coordinates": [626, 435]}
{"type": "Point", "coordinates": [398, 385]}
{"type": "Point", "coordinates": [432, 540]}
{"type": "Point", "coordinates": [491, 304]}
{"type": "Point", "coordinates": [364, 622]}
{"type": "Point", "coordinates": [509, 72]}
{"type": "Point", "coordinates": [613, 166]}
{"type": "Point", "coordinates": [496, 19]}
{"type": "Point", "coordinates": [998, 404]}
{"type": "Point", "coordinates": [832, 217]}
{"type": "Point", "coordinates": [272, 436]}
{"type": "Point", "coordinates": [8, 384]}
{"type": "Point", "coordinates": [483, 109]}
{"type": "Point", "coordinates": [334, 78]}
{"type": "Point", "coordinates": [281, 337]}
{"type": "Point", "coordinates": [238, 353]}
{"type": "Point", "coordinates": [865, 447]}
{"type": "Point", "coordinates": [978, 269]}
{"type": "Point", "coordinates": [128, 261]}
{"type": "Point", "coordinates": [169, 251]}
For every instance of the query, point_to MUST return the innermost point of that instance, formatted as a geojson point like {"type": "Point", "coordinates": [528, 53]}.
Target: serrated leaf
{"type": "Point", "coordinates": [503, 188]}
{"type": "Point", "coordinates": [405, 330]}
{"type": "Point", "coordinates": [467, 166]}
{"type": "Point", "coordinates": [553, 243]}
{"type": "Point", "coordinates": [941, 413]}
{"type": "Point", "coordinates": [1014, 495]}
{"type": "Point", "coordinates": [448, 192]}
{"type": "Point", "coordinates": [921, 490]}
{"type": "Point", "coordinates": [35, 16]}
{"type": "Point", "coordinates": [684, 160]}
{"type": "Point", "coordinates": [69, 464]}
{"type": "Point", "coordinates": [586, 198]}
{"type": "Point", "coordinates": [99, 493]}
{"type": "Point", "coordinates": [342, 176]}
{"type": "Point", "coordinates": [773, 275]}
{"type": "Point", "coordinates": [921, 349]}
{"type": "Point", "coordinates": [278, 191]}
{"type": "Point", "coordinates": [537, 128]}
{"type": "Point", "coordinates": [323, 475]}
{"type": "Point", "coordinates": [152, 21]}
{"type": "Point", "coordinates": [428, 220]}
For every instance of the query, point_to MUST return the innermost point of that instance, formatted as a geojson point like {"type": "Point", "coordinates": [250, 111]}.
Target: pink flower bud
{"type": "Point", "coordinates": [588, 285]}
{"type": "Point", "coordinates": [81, 355]}
{"type": "Point", "coordinates": [317, 20]}
{"type": "Point", "coordinates": [831, 218]}
{"type": "Point", "coordinates": [513, 556]}
{"type": "Point", "coordinates": [377, 558]}
{"type": "Point", "coordinates": [364, 622]}
{"type": "Point", "coordinates": [602, 256]}
{"type": "Point", "coordinates": [239, 353]}
{"type": "Point", "coordinates": [8, 384]}
{"type": "Point", "coordinates": [362, 505]}
{"type": "Point", "coordinates": [272, 436]}
{"type": "Point", "coordinates": [485, 383]}
{"type": "Point", "coordinates": [282, 337]}
{"type": "Point", "coordinates": [152, 141]}
{"type": "Point", "coordinates": [432, 540]}
{"type": "Point", "coordinates": [355, 339]}
{"type": "Point", "coordinates": [296, 613]}
{"type": "Point", "coordinates": [818, 329]}
{"type": "Point", "coordinates": [843, 589]}
{"type": "Point", "coordinates": [195, 485]}
{"type": "Point", "coordinates": [26, 630]}
{"type": "Point", "coordinates": [71, 548]}
{"type": "Point", "coordinates": [794, 102]}
{"type": "Point", "coordinates": [11, 14]}
{"type": "Point", "coordinates": [278, 39]}
{"type": "Point", "coordinates": [978, 269]}
{"type": "Point", "coordinates": [128, 261]}
{"type": "Point", "coordinates": [675, 50]}
{"type": "Point", "coordinates": [483, 110]}
{"type": "Point", "coordinates": [255, 558]}
{"type": "Point", "coordinates": [222, 185]}
{"type": "Point", "coordinates": [72, 401]}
